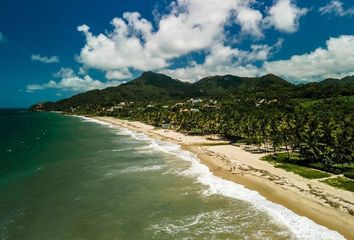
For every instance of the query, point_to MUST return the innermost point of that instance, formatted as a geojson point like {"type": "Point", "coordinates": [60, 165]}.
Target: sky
{"type": "Point", "coordinates": [54, 49]}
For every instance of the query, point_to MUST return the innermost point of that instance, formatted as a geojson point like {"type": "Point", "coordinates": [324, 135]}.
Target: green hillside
{"type": "Point", "coordinates": [154, 87]}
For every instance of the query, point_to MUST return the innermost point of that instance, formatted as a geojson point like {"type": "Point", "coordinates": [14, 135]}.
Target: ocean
{"type": "Point", "coordinates": [66, 177]}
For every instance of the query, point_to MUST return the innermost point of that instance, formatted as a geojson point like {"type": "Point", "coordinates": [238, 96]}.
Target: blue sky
{"type": "Point", "coordinates": [54, 49]}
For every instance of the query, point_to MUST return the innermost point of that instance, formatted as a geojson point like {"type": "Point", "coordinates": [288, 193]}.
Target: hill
{"type": "Point", "coordinates": [155, 87]}
{"type": "Point", "coordinates": [220, 84]}
{"type": "Point", "coordinates": [328, 88]}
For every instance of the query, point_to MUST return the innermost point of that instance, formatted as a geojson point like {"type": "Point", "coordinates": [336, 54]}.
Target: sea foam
{"type": "Point", "coordinates": [301, 227]}
{"type": "Point", "coordinates": [87, 119]}
{"type": "Point", "coordinates": [136, 169]}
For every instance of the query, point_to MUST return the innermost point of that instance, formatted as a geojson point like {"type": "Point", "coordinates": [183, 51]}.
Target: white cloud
{"type": "Point", "coordinates": [284, 15]}
{"type": "Point", "coordinates": [82, 71]}
{"type": "Point", "coordinates": [76, 84]}
{"type": "Point", "coordinates": [192, 25]}
{"type": "Point", "coordinates": [119, 74]}
{"type": "Point", "coordinates": [250, 21]}
{"type": "Point", "coordinates": [336, 7]}
{"type": "Point", "coordinates": [224, 60]}
{"type": "Point", "coordinates": [70, 81]}
{"type": "Point", "coordinates": [336, 60]}
{"type": "Point", "coordinates": [45, 59]}
{"type": "Point", "coordinates": [64, 73]}
{"type": "Point", "coordinates": [189, 26]}
{"type": "Point", "coordinates": [117, 50]}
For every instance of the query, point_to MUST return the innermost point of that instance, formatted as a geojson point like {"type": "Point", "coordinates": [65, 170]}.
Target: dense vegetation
{"type": "Point", "coordinates": [311, 123]}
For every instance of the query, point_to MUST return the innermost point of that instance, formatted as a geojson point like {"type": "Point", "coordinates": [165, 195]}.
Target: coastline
{"type": "Point", "coordinates": [317, 201]}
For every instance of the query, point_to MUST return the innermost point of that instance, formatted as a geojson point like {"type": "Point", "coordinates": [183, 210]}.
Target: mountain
{"type": "Point", "coordinates": [155, 87]}
{"type": "Point", "coordinates": [330, 87]}
{"type": "Point", "coordinates": [229, 83]}
{"type": "Point", "coordinates": [148, 87]}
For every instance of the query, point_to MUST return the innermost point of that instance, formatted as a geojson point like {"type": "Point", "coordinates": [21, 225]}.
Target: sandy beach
{"type": "Point", "coordinates": [325, 205]}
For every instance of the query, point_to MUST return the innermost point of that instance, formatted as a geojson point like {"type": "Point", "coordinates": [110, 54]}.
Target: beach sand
{"type": "Point", "coordinates": [325, 205]}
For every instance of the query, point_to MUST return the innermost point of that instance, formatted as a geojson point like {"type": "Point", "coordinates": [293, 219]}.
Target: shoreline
{"type": "Point", "coordinates": [323, 204]}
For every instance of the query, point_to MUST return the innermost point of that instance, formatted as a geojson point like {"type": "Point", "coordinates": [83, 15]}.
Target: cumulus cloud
{"type": "Point", "coordinates": [45, 59]}
{"type": "Point", "coordinates": [64, 73]}
{"type": "Point", "coordinates": [226, 60]}
{"type": "Point", "coordinates": [192, 25]}
{"type": "Point", "coordinates": [284, 15]}
{"type": "Point", "coordinates": [69, 81]}
{"type": "Point", "coordinates": [117, 50]}
{"type": "Point", "coordinates": [250, 21]}
{"type": "Point", "coordinates": [119, 74]}
{"type": "Point", "coordinates": [189, 26]}
{"type": "Point", "coordinates": [336, 7]}
{"type": "Point", "coordinates": [134, 43]}
{"type": "Point", "coordinates": [336, 60]}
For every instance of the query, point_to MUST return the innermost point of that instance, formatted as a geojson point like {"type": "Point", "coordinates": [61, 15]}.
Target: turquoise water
{"type": "Point", "coordinates": [67, 177]}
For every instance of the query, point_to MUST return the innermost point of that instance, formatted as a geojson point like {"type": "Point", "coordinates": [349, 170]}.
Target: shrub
{"type": "Point", "coordinates": [349, 175]}
{"type": "Point", "coordinates": [322, 167]}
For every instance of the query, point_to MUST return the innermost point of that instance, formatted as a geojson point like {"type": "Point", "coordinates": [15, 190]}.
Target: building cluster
{"type": "Point", "coordinates": [265, 102]}
{"type": "Point", "coordinates": [191, 105]}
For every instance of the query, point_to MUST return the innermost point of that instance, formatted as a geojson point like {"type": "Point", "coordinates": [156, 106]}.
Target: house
{"type": "Point", "coordinates": [208, 106]}
{"type": "Point", "coordinates": [195, 101]}
{"type": "Point", "coordinates": [178, 105]}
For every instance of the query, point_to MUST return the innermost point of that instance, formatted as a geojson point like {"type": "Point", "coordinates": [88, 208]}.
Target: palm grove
{"type": "Point", "coordinates": [312, 123]}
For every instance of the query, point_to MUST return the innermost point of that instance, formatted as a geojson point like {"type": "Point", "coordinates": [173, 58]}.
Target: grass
{"type": "Point", "coordinates": [309, 103]}
{"type": "Point", "coordinates": [341, 182]}
{"type": "Point", "coordinates": [303, 171]}
{"type": "Point", "coordinates": [344, 101]}
{"type": "Point", "coordinates": [349, 174]}
{"type": "Point", "coordinates": [281, 160]}
{"type": "Point", "coordinates": [335, 168]}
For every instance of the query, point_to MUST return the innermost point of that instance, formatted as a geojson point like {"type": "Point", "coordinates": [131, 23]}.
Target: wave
{"type": "Point", "coordinates": [215, 223]}
{"type": "Point", "coordinates": [136, 169]}
{"type": "Point", "coordinates": [131, 149]}
{"type": "Point", "coordinates": [140, 136]}
{"type": "Point", "coordinates": [183, 225]}
{"type": "Point", "coordinates": [301, 227]}
{"type": "Point", "coordinates": [91, 120]}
